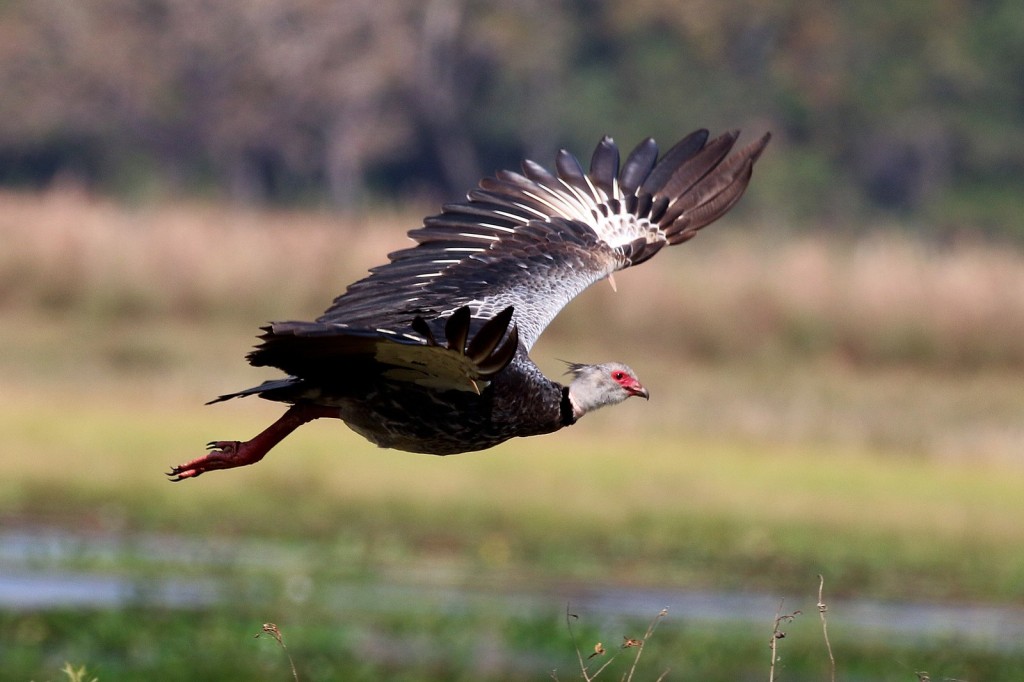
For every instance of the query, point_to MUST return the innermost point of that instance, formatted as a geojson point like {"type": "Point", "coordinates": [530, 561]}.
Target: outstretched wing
{"type": "Point", "coordinates": [534, 240]}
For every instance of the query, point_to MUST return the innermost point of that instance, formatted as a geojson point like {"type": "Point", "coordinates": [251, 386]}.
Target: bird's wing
{"type": "Point", "coordinates": [470, 353]}
{"type": "Point", "coordinates": [534, 240]}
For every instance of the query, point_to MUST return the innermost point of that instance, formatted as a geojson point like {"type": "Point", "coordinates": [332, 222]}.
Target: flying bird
{"type": "Point", "coordinates": [430, 352]}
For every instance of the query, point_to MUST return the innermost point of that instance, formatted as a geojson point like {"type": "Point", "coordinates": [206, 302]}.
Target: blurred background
{"type": "Point", "coordinates": [835, 367]}
{"type": "Point", "coordinates": [913, 111]}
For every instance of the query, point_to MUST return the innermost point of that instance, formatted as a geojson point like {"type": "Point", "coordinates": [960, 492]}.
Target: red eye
{"type": "Point", "coordinates": [618, 376]}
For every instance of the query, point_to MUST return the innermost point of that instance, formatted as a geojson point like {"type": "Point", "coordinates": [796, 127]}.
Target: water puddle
{"type": "Point", "coordinates": [47, 569]}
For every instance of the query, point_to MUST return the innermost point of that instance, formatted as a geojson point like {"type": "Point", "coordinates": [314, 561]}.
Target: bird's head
{"type": "Point", "coordinates": [595, 386]}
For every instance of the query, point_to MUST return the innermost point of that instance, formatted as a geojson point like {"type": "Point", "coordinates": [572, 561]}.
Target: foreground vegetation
{"type": "Point", "coordinates": [794, 430]}
{"type": "Point", "coordinates": [477, 644]}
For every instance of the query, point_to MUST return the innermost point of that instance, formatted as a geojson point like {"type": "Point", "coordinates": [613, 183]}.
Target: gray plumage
{"type": "Point", "coordinates": [429, 353]}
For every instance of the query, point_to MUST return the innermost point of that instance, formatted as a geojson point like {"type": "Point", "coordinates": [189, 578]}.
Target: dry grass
{"type": "Point", "coordinates": [739, 293]}
{"type": "Point", "coordinates": [69, 252]}
{"type": "Point", "coordinates": [882, 298]}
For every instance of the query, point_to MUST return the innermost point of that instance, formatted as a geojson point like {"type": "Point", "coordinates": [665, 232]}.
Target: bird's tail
{"type": "Point", "coordinates": [286, 385]}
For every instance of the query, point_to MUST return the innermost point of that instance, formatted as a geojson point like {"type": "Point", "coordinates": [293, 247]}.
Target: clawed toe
{"type": "Point", "coordinates": [188, 470]}
{"type": "Point", "coordinates": [179, 473]}
{"type": "Point", "coordinates": [223, 455]}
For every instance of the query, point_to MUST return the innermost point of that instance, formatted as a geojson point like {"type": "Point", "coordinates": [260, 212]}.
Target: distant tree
{"type": "Point", "coordinates": [246, 89]}
{"type": "Point", "coordinates": [911, 107]}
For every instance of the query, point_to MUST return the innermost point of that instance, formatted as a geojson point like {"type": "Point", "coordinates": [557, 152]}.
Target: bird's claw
{"type": "Point", "coordinates": [223, 455]}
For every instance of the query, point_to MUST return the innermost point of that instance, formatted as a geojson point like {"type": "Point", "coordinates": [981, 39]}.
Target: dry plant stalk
{"type": "Point", "coordinates": [639, 644]}
{"type": "Point", "coordinates": [275, 632]}
{"type": "Point", "coordinates": [778, 634]}
{"type": "Point", "coordinates": [599, 650]}
{"type": "Point", "coordinates": [822, 608]}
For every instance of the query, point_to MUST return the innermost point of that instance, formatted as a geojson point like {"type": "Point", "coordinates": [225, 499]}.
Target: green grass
{"type": "Point", "coordinates": [474, 645]}
{"type": "Point", "coordinates": [647, 509]}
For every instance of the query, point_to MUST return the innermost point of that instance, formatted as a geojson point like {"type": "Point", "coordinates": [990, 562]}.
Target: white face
{"type": "Point", "coordinates": [595, 386]}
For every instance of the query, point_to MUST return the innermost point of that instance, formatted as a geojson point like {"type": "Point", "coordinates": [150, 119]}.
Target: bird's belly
{"type": "Point", "coordinates": [426, 425]}
{"type": "Point", "coordinates": [425, 438]}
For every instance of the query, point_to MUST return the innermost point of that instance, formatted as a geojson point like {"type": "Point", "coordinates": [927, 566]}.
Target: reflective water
{"type": "Point", "coordinates": [44, 569]}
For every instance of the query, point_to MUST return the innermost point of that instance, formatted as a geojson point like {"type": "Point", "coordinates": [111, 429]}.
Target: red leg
{"type": "Point", "coordinates": [228, 454]}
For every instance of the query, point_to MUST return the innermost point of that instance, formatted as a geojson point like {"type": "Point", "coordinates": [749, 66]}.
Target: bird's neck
{"type": "Point", "coordinates": [580, 399]}
{"type": "Point", "coordinates": [567, 411]}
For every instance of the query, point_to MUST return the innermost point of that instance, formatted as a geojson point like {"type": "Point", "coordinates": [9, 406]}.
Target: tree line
{"type": "Point", "coordinates": [914, 108]}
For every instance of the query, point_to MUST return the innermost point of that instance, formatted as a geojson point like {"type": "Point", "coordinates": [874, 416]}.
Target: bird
{"type": "Point", "coordinates": [429, 353]}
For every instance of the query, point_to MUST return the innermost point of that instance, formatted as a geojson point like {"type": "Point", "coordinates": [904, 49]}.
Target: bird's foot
{"type": "Point", "coordinates": [228, 454]}
{"type": "Point", "coordinates": [224, 454]}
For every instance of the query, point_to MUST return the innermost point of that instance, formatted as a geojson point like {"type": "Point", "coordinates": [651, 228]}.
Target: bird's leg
{"type": "Point", "coordinates": [228, 454]}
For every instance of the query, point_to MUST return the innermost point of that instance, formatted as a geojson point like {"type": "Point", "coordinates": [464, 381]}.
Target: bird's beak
{"type": "Point", "coordinates": [640, 391]}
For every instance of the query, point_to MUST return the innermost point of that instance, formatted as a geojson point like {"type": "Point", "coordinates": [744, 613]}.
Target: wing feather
{"type": "Point", "coordinates": [638, 167]}
{"type": "Point", "coordinates": [604, 167]}
{"type": "Point", "coordinates": [674, 158]}
{"type": "Point", "coordinates": [534, 239]}
{"type": "Point", "coordinates": [571, 172]}
{"type": "Point", "coordinates": [357, 357]}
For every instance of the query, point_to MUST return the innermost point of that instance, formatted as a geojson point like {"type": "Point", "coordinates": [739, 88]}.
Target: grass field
{"type": "Point", "coordinates": [852, 411]}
